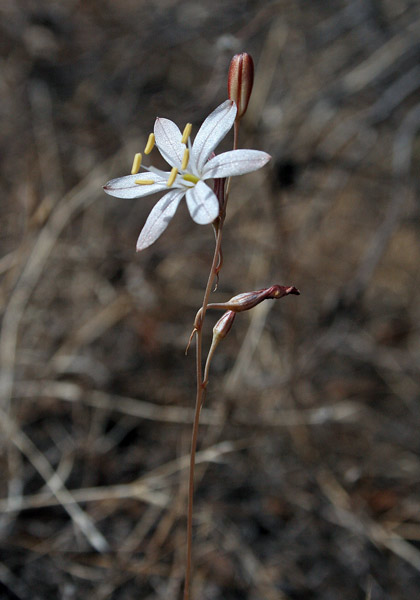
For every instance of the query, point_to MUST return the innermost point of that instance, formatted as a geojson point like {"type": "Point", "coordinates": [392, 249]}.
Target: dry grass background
{"type": "Point", "coordinates": [308, 478]}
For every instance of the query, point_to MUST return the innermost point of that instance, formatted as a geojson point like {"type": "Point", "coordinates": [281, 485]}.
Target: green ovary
{"type": "Point", "coordinates": [191, 178]}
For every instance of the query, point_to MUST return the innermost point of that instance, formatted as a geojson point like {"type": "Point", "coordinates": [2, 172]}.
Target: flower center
{"type": "Point", "coordinates": [191, 178]}
{"type": "Point", "coordinates": [174, 171]}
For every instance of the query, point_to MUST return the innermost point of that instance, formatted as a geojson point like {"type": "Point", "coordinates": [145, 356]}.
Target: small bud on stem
{"type": "Point", "coordinates": [240, 81]}
{"type": "Point", "coordinates": [223, 325]}
{"type": "Point", "coordinates": [220, 331]}
{"type": "Point", "coordinates": [250, 299]}
{"type": "Point", "coordinates": [239, 303]}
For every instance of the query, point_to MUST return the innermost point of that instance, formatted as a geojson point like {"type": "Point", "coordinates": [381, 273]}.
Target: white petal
{"type": "Point", "coordinates": [168, 140]}
{"type": "Point", "coordinates": [235, 162]}
{"type": "Point", "coordinates": [212, 131]}
{"type": "Point", "coordinates": [159, 218]}
{"type": "Point", "coordinates": [125, 187]}
{"type": "Point", "coordinates": [202, 203]}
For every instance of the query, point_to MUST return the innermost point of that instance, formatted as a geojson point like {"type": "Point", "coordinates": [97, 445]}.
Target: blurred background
{"type": "Point", "coordinates": [309, 463]}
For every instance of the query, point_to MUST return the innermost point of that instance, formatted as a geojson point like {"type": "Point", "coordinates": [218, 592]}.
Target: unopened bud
{"type": "Point", "coordinates": [278, 291]}
{"type": "Point", "coordinates": [223, 325]}
{"type": "Point", "coordinates": [240, 81]}
{"type": "Point", "coordinates": [250, 299]}
{"type": "Point", "coordinates": [220, 331]}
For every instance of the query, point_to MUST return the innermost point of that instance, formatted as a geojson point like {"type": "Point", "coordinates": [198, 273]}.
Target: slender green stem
{"type": "Point", "coordinates": [198, 403]}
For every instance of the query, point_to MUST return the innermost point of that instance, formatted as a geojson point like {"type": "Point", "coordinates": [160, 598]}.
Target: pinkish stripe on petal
{"type": "Point", "coordinates": [126, 187]}
{"type": "Point", "coordinates": [168, 140]}
{"type": "Point", "coordinates": [202, 203]}
{"type": "Point", "coordinates": [212, 131]}
{"type": "Point", "coordinates": [235, 162]}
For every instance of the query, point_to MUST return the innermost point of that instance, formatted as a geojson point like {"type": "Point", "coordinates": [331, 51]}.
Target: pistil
{"type": "Point", "coordinates": [191, 178]}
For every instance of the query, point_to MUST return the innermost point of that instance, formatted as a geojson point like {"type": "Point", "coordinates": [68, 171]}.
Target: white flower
{"type": "Point", "coordinates": [191, 169]}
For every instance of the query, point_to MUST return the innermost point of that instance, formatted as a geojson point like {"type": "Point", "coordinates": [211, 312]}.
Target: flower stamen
{"type": "Point", "coordinates": [144, 181]}
{"type": "Point", "coordinates": [172, 176]}
{"type": "Point", "coordinates": [150, 144]}
{"type": "Point", "coordinates": [185, 159]}
{"type": "Point", "coordinates": [186, 133]}
{"type": "Point", "coordinates": [136, 164]}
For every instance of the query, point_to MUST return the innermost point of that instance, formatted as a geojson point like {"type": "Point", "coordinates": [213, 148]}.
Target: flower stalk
{"type": "Point", "coordinates": [192, 167]}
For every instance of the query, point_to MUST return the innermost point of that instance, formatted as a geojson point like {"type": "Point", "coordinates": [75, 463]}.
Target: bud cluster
{"type": "Point", "coordinates": [236, 304]}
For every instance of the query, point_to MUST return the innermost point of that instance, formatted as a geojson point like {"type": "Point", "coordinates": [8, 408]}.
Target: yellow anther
{"type": "Point", "coordinates": [136, 163]}
{"type": "Point", "coordinates": [144, 181]}
{"type": "Point", "coordinates": [150, 144]}
{"type": "Point", "coordinates": [192, 178]}
{"type": "Point", "coordinates": [186, 134]}
{"type": "Point", "coordinates": [185, 159]}
{"type": "Point", "coordinates": [172, 176]}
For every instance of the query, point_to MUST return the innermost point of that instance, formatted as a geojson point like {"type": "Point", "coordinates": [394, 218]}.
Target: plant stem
{"type": "Point", "coordinates": [198, 402]}
{"type": "Point", "coordinates": [235, 147]}
{"type": "Point", "coordinates": [201, 385]}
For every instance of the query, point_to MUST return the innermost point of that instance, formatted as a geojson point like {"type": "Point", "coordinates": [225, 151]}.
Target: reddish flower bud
{"type": "Point", "coordinates": [278, 291]}
{"type": "Point", "coordinates": [223, 325]}
{"type": "Point", "coordinates": [250, 299]}
{"type": "Point", "coordinates": [240, 81]}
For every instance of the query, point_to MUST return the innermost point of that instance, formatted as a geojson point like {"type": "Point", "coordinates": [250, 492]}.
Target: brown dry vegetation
{"type": "Point", "coordinates": [308, 476]}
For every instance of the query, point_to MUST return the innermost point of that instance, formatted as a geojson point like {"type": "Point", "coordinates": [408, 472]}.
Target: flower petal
{"type": "Point", "coordinates": [126, 187]}
{"type": "Point", "coordinates": [160, 172]}
{"type": "Point", "coordinates": [212, 131]}
{"type": "Point", "coordinates": [235, 162]}
{"type": "Point", "coordinates": [168, 140]}
{"type": "Point", "coordinates": [159, 218]}
{"type": "Point", "coordinates": [202, 203]}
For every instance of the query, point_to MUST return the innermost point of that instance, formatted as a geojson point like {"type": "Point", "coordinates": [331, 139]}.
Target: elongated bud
{"type": "Point", "coordinates": [223, 325]}
{"type": "Point", "coordinates": [238, 303]}
{"type": "Point", "coordinates": [250, 299]}
{"type": "Point", "coordinates": [240, 81]}
{"type": "Point", "coordinates": [220, 331]}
